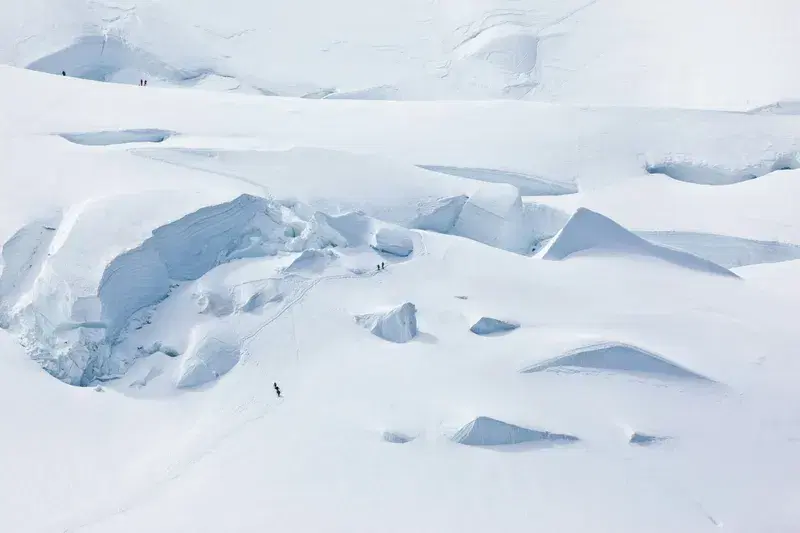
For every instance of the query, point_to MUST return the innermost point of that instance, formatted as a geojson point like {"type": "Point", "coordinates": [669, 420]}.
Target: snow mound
{"type": "Point", "coordinates": [724, 250]}
{"type": "Point", "coordinates": [495, 215]}
{"type": "Point", "coordinates": [312, 261]}
{"type": "Point", "coordinates": [393, 241]}
{"type": "Point", "coordinates": [617, 357]}
{"type": "Point", "coordinates": [488, 326]}
{"type": "Point", "coordinates": [206, 361]}
{"type": "Point", "coordinates": [588, 233]}
{"type": "Point", "coordinates": [395, 325]}
{"type": "Point", "coordinates": [108, 138]}
{"type": "Point", "coordinates": [440, 215]}
{"type": "Point", "coordinates": [396, 438]}
{"type": "Point", "coordinates": [705, 174]}
{"type": "Point", "coordinates": [484, 431]}
{"type": "Point", "coordinates": [527, 184]}
{"type": "Point", "coordinates": [642, 439]}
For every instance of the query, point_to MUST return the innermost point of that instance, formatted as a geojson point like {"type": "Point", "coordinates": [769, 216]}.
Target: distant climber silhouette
{"type": "Point", "coordinates": [63, 72]}
{"type": "Point", "coordinates": [277, 389]}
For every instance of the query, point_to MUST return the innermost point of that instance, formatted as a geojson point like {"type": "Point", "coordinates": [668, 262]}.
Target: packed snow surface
{"type": "Point", "coordinates": [619, 177]}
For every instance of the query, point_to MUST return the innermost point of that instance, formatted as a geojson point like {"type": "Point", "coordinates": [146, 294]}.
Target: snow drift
{"type": "Point", "coordinates": [393, 241]}
{"type": "Point", "coordinates": [485, 431]}
{"type": "Point", "coordinates": [396, 325]}
{"type": "Point", "coordinates": [488, 326]}
{"type": "Point", "coordinates": [620, 358]}
{"type": "Point", "coordinates": [207, 360]}
{"type": "Point", "coordinates": [588, 233]}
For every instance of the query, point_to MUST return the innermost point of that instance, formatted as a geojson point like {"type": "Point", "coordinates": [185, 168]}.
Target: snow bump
{"type": "Point", "coordinates": [485, 431]}
{"type": "Point", "coordinates": [205, 362]}
{"type": "Point", "coordinates": [395, 325]}
{"type": "Point", "coordinates": [588, 233]}
{"type": "Point", "coordinates": [491, 326]}
{"type": "Point", "coordinates": [393, 241]}
{"type": "Point", "coordinates": [620, 358]}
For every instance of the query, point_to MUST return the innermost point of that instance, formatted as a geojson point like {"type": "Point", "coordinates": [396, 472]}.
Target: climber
{"type": "Point", "coordinates": [277, 389]}
{"type": "Point", "coordinates": [63, 72]}
{"type": "Point", "coordinates": [383, 265]}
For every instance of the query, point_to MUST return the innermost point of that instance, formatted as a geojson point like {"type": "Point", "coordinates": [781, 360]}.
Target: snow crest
{"type": "Point", "coordinates": [588, 233]}
{"type": "Point", "coordinates": [618, 357]}
{"type": "Point", "coordinates": [485, 431]}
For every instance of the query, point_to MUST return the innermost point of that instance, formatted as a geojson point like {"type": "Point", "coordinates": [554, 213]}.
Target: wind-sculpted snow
{"type": "Point", "coordinates": [489, 326]}
{"type": "Point", "coordinates": [495, 215]}
{"type": "Point", "coordinates": [107, 138]}
{"type": "Point", "coordinates": [617, 357]}
{"type": "Point", "coordinates": [528, 185]}
{"type": "Point", "coordinates": [395, 325]}
{"type": "Point", "coordinates": [591, 234]}
{"type": "Point", "coordinates": [643, 439]}
{"type": "Point", "coordinates": [393, 241]}
{"type": "Point", "coordinates": [86, 293]}
{"type": "Point", "coordinates": [485, 431]}
{"type": "Point", "coordinates": [705, 174]}
{"type": "Point", "coordinates": [207, 360]}
{"type": "Point", "coordinates": [725, 250]}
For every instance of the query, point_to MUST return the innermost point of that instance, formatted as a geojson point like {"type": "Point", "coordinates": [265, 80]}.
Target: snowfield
{"type": "Point", "coordinates": [513, 265]}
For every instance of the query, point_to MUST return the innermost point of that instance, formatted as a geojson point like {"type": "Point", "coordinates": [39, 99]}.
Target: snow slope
{"type": "Point", "coordinates": [658, 53]}
{"type": "Point", "coordinates": [173, 253]}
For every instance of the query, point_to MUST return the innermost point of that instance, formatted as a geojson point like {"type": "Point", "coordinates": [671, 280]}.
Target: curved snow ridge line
{"type": "Point", "coordinates": [588, 233]}
{"type": "Point", "coordinates": [110, 138]}
{"type": "Point", "coordinates": [528, 185]}
{"type": "Point", "coordinates": [703, 173]}
{"type": "Point", "coordinates": [724, 250]}
{"type": "Point", "coordinates": [485, 431]}
{"type": "Point", "coordinates": [618, 357]}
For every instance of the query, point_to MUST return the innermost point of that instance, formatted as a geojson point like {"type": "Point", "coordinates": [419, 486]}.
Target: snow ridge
{"type": "Point", "coordinates": [588, 233]}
